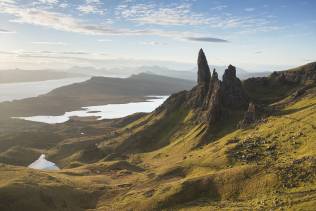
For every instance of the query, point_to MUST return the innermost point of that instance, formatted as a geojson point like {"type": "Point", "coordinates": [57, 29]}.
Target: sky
{"type": "Point", "coordinates": [257, 35]}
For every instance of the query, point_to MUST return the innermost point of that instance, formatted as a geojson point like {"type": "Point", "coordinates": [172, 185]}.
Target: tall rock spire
{"type": "Point", "coordinates": [204, 73]}
{"type": "Point", "coordinates": [234, 95]}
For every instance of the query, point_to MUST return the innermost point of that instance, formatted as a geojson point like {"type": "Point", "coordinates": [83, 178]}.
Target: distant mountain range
{"type": "Point", "coordinates": [191, 74]}
{"type": "Point", "coordinates": [159, 70]}
{"type": "Point", "coordinates": [19, 75]}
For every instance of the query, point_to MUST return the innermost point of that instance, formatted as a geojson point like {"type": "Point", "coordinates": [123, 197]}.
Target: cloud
{"type": "Point", "coordinates": [7, 1]}
{"type": "Point", "coordinates": [75, 53]}
{"type": "Point", "coordinates": [5, 31]}
{"type": "Point", "coordinates": [250, 9]}
{"type": "Point", "coordinates": [63, 5]}
{"type": "Point", "coordinates": [93, 2]}
{"type": "Point", "coordinates": [206, 39]}
{"type": "Point", "coordinates": [152, 14]}
{"type": "Point", "coordinates": [104, 40]}
{"type": "Point", "coordinates": [153, 43]}
{"type": "Point", "coordinates": [183, 14]}
{"type": "Point", "coordinates": [68, 23]}
{"type": "Point", "coordinates": [90, 9]}
{"type": "Point", "coordinates": [180, 14]}
{"type": "Point", "coordinates": [48, 1]}
{"type": "Point", "coordinates": [49, 43]}
{"type": "Point", "coordinates": [219, 7]}
{"type": "Point", "coordinates": [244, 24]}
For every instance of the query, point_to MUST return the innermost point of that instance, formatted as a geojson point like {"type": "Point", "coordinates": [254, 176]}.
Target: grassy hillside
{"type": "Point", "coordinates": [161, 160]}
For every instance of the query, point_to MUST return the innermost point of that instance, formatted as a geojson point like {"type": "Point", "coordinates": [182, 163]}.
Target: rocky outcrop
{"type": "Point", "coordinates": [249, 116]}
{"type": "Point", "coordinates": [214, 110]}
{"type": "Point", "coordinates": [233, 94]}
{"type": "Point", "coordinates": [199, 92]}
{"type": "Point", "coordinates": [204, 74]}
{"type": "Point", "coordinates": [212, 99]}
{"type": "Point", "coordinates": [224, 96]}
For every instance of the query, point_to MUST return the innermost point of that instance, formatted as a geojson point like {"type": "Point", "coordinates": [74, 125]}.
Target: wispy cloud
{"type": "Point", "coordinates": [206, 39]}
{"type": "Point", "coordinates": [48, 1]}
{"type": "Point", "coordinates": [63, 22]}
{"type": "Point", "coordinates": [137, 15]}
{"type": "Point", "coordinates": [152, 14]}
{"type": "Point", "coordinates": [63, 5]}
{"type": "Point", "coordinates": [104, 40]}
{"type": "Point", "coordinates": [243, 24]}
{"type": "Point", "coordinates": [90, 9]}
{"type": "Point", "coordinates": [49, 43]}
{"type": "Point", "coordinates": [7, 1]}
{"type": "Point", "coordinates": [153, 43]}
{"type": "Point", "coordinates": [68, 23]}
{"type": "Point", "coordinates": [219, 7]}
{"type": "Point", "coordinates": [250, 9]}
{"type": "Point", "coordinates": [183, 14]}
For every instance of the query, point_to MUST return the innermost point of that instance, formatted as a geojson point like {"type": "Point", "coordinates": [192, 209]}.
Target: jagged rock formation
{"type": "Point", "coordinates": [211, 98]}
{"type": "Point", "coordinates": [223, 96]}
{"type": "Point", "coordinates": [204, 74]}
{"type": "Point", "coordinates": [214, 110]}
{"type": "Point", "coordinates": [199, 92]}
{"type": "Point", "coordinates": [249, 117]}
{"type": "Point", "coordinates": [233, 93]}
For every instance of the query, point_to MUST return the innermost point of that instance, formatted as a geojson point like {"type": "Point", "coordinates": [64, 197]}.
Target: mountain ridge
{"type": "Point", "coordinates": [95, 91]}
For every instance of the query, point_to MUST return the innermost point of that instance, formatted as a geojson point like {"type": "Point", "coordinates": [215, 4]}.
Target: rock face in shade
{"type": "Point", "coordinates": [249, 116]}
{"type": "Point", "coordinates": [233, 93]}
{"type": "Point", "coordinates": [213, 99]}
{"type": "Point", "coordinates": [214, 109]}
{"type": "Point", "coordinates": [199, 92]}
{"type": "Point", "coordinates": [204, 74]}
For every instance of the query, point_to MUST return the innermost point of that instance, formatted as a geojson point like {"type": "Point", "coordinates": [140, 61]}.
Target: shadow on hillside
{"type": "Point", "coordinates": [291, 111]}
{"type": "Point", "coordinates": [300, 120]}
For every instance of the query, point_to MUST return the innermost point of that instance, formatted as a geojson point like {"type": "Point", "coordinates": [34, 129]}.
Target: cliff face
{"type": "Point", "coordinates": [212, 98]}
{"type": "Point", "coordinates": [204, 74]}
{"type": "Point", "coordinates": [220, 104]}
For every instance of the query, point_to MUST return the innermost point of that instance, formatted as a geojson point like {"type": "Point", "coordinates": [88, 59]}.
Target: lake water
{"type": "Point", "coordinates": [110, 111]}
{"type": "Point", "coordinates": [16, 91]}
{"type": "Point", "coordinates": [43, 164]}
